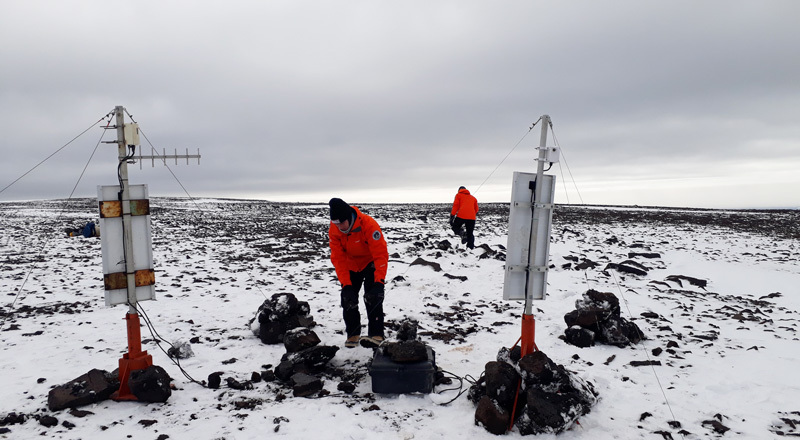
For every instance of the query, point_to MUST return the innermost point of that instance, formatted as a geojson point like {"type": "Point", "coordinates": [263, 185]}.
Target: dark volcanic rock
{"type": "Point", "coordinates": [691, 280]}
{"type": "Point", "coordinates": [599, 313]}
{"type": "Point", "coordinates": [625, 268]}
{"type": "Point", "coordinates": [150, 384]}
{"type": "Point", "coordinates": [579, 336]}
{"type": "Point", "coordinates": [537, 368]}
{"type": "Point", "coordinates": [300, 338]}
{"type": "Point", "coordinates": [346, 387]}
{"type": "Point", "coordinates": [280, 313]}
{"type": "Point", "coordinates": [94, 386]}
{"type": "Point", "coordinates": [491, 416]}
{"type": "Point", "coordinates": [284, 370]}
{"type": "Point", "coordinates": [48, 421]}
{"type": "Point", "coordinates": [551, 398]}
{"type": "Point", "coordinates": [310, 360]}
{"type": "Point", "coordinates": [214, 380]}
{"type": "Point", "coordinates": [502, 380]}
{"type": "Point", "coordinates": [407, 351]}
{"type": "Point", "coordinates": [420, 261]}
{"type": "Point", "coordinates": [236, 385]}
{"type": "Point", "coordinates": [718, 427]}
{"type": "Point", "coordinates": [12, 418]}
{"type": "Point", "coordinates": [304, 385]}
{"type": "Point", "coordinates": [548, 412]}
{"type": "Point", "coordinates": [407, 331]}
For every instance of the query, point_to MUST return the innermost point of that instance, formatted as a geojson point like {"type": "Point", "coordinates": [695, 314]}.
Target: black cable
{"type": "Point", "coordinates": [468, 378]}
{"type": "Point", "coordinates": [158, 339]}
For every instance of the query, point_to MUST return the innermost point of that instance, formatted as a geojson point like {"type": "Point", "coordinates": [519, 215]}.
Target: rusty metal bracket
{"type": "Point", "coordinates": [113, 208]}
{"type": "Point", "coordinates": [119, 280]}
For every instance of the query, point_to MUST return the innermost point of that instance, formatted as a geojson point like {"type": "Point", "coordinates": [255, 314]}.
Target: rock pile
{"type": "Point", "coordinates": [549, 399]}
{"type": "Point", "coordinates": [303, 359]}
{"type": "Point", "coordinates": [277, 315]}
{"type": "Point", "coordinates": [407, 348]}
{"type": "Point", "coordinates": [596, 318]}
{"type": "Point", "coordinates": [284, 319]}
{"type": "Point", "coordinates": [151, 384]}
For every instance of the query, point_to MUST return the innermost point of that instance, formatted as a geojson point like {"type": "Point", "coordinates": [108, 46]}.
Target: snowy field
{"type": "Point", "coordinates": [729, 351]}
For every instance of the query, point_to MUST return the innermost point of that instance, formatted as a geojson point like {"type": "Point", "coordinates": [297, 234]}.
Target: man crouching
{"type": "Point", "coordinates": [360, 256]}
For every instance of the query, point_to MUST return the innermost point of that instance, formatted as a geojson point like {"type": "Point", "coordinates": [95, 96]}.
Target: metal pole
{"type": "Point", "coordinates": [537, 200]}
{"type": "Point", "coordinates": [124, 198]}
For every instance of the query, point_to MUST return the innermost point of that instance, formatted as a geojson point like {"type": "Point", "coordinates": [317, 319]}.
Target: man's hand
{"type": "Point", "coordinates": [452, 219]}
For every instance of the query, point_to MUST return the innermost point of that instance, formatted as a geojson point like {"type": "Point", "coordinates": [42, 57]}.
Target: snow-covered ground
{"type": "Point", "coordinates": [730, 349]}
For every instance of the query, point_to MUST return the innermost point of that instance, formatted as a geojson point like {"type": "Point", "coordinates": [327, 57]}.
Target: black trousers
{"type": "Point", "coordinates": [458, 223]}
{"type": "Point", "coordinates": [373, 300]}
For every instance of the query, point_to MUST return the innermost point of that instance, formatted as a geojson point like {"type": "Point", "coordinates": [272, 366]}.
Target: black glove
{"type": "Point", "coordinates": [452, 219]}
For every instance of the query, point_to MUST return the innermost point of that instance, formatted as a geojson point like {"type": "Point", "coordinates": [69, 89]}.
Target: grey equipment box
{"type": "Point", "coordinates": [389, 377]}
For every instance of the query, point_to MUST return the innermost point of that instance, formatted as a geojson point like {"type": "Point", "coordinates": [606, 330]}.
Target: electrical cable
{"type": "Point", "coordinates": [158, 339]}
{"type": "Point", "coordinates": [460, 388]}
{"type": "Point", "coordinates": [56, 152]}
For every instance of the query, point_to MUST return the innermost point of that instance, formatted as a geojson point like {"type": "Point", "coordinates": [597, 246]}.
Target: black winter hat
{"type": "Point", "coordinates": [340, 211]}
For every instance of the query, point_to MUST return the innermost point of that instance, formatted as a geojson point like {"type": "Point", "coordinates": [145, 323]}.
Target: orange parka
{"type": "Point", "coordinates": [353, 251]}
{"type": "Point", "coordinates": [465, 205]}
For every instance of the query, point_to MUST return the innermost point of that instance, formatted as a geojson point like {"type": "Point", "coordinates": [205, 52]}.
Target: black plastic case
{"type": "Point", "coordinates": [389, 377]}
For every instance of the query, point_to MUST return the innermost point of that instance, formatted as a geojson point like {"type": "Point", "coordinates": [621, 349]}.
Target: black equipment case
{"type": "Point", "coordinates": [389, 377]}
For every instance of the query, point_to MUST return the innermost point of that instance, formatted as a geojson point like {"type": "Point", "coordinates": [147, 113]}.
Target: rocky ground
{"type": "Point", "coordinates": [707, 289]}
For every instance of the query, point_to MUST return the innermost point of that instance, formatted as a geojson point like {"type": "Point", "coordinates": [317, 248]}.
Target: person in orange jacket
{"type": "Point", "coordinates": [464, 213]}
{"type": "Point", "coordinates": [360, 256]}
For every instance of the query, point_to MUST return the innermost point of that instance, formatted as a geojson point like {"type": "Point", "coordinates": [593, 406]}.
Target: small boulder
{"type": "Point", "coordinates": [300, 338]}
{"type": "Point", "coordinates": [214, 380]}
{"type": "Point", "coordinates": [92, 387]}
{"type": "Point", "coordinates": [150, 384]}
{"type": "Point", "coordinates": [304, 385]}
{"type": "Point", "coordinates": [492, 416]}
{"type": "Point", "coordinates": [579, 336]}
{"type": "Point", "coordinates": [407, 351]}
{"type": "Point", "coordinates": [48, 421]}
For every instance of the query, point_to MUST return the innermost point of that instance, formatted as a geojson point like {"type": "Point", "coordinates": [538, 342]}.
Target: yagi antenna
{"type": "Point", "coordinates": [164, 156]}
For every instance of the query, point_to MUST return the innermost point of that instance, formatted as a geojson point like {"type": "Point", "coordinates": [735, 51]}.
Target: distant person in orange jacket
{"type": "Point", "coordinates": [464, 212]}
{"type": "Point", "coordinates": [360, 256]}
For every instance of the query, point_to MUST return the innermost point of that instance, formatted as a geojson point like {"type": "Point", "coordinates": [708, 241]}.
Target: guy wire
{"type": "Point", "coordinates": [58, 219]}
{"type": "Point", "coordinates": [509, 153]}
{"type": "Point", "coordinates": [649, 361]}
{"type": "Point", "coordinates": [56, 152]}
{"type": "Point", "coordinates": [192, 198]}
{"type": "Point", "coordinates": [564, 156]}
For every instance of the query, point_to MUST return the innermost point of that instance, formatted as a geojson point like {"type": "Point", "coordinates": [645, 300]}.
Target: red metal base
{"type": "Point", "coordinates": [134, 359]}
{"type": "Point", "coordinates": [527, 346]}
{"type": "Point", "coordinates": [528, 343]}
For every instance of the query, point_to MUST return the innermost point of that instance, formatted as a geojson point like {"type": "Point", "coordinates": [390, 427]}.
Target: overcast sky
{"type": "Point", "coordinates": [667, 103]}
